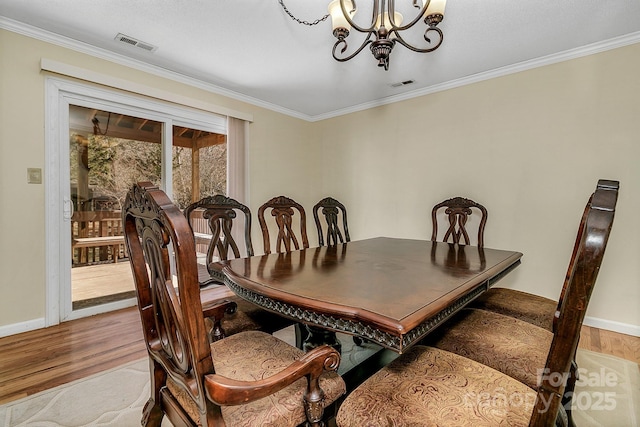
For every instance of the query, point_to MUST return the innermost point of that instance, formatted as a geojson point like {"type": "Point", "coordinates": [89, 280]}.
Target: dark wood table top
{"type": "Point", "coordinates": [388, 290]}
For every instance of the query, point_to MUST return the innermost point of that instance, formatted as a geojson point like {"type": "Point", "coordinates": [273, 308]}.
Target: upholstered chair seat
{"type": "Point", "coordinates": [531, 308]}
{"type": "Point", "coordinates": [484, 368]}
{"type": "Point", "coordinates": [199, 375]}
{"type": "Point", "coordinates": [527, 307]}
{"type": "Point", "coordinates": [509, 345]}
{"type": "Point", "coordinates": [251, 356]}
{"type": "Point", "coordinates": [427, 386]}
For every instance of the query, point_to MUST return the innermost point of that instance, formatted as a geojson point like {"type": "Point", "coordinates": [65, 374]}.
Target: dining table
{"type": "Point", "coordinates": [390, 291]}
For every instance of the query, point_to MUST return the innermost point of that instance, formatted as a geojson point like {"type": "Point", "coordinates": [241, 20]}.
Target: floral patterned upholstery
{"type": "Point", "coordinates": [509, 345]}
{"type": "Point", "coordinates": [456, 385]}
{"type": "Point", "coordinates": [431, 387]}
{"type": "Point", "coordinates": [521, 305]}
{"type": "Point", "coordinates": [253, 355]}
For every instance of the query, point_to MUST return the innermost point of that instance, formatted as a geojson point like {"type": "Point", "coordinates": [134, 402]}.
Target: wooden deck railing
{"type": "Point", "coordinates": [96, 237]}
{"type": "Point", "coordinates": [201, 231]}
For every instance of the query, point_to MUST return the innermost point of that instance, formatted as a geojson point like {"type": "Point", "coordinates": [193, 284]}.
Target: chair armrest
{"type": "Point", "coordinates": [227, 391]}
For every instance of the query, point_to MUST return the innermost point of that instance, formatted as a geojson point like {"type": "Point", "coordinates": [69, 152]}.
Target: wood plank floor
{"type": "Point", "coordinates": [38, 360]}
{"type": "Point", "coordinates": [611, 343]}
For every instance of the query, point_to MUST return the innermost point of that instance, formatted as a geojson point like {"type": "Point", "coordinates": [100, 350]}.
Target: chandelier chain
{"type": "Point", "coordinates": [299, 21]}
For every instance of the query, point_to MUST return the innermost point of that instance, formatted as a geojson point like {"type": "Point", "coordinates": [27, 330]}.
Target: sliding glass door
{"type": "Point", "coordinates": [107, 153]}
{"type": "Point", "coordinates": [106, 142]}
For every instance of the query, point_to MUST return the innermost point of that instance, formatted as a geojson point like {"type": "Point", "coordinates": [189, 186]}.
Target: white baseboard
{"type": "Point", "coordinates": [610, 325]}
{"type": "Point", "coordinates": [32, 325]}
{"type": "Point", "coordinates": [17, 328]}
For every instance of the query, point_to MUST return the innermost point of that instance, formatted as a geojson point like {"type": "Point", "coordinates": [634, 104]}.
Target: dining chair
{"type": "Point", "coordinates": [284, 210]}
{"type": "Point", "coordinates": [510, 344]}
{"type": "Point", "coordinates": [334, 214]}
{"type": "Point", "coordinates": [219, 214]}
{"type": "Point", "coordinates": [250, 378]}
{"type": "Point", "coordinates": [471, 373]}
{"type": "Point", "coordinates": [455, 214]}
{"type": "Point", "coordinates": [525, 306]}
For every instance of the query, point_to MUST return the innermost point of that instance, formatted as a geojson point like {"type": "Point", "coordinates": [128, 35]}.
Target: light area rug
{"type": "Point", "coordinates": [116, 397]}
{"type": "Point", "coordinates": [608, 394]}
{"type": "Point", "coordinates": [110, 398]}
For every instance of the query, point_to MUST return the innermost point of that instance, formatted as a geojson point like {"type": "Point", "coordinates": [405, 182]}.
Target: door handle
{"type": "Point", "coordinates": [67, 208]}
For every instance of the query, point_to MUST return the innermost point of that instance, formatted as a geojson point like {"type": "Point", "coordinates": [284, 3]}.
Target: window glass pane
{"type": "Point", "coordinates": [213, 170]}
{"type": "Point", "coordinates": [108, 152]}
{"type": "Point", "coordinates": [199, 165]}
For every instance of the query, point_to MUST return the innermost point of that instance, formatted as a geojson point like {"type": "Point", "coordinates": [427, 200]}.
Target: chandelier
{"type": "Point", "coordinates": [383, 30]}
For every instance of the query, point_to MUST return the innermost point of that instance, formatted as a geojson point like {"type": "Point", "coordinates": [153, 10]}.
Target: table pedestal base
{"type": "Point", "coordinates": [318, 336]}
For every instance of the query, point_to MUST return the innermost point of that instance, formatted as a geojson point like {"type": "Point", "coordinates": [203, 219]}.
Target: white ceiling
{"type": "Point", "coordinates": [252, 50]}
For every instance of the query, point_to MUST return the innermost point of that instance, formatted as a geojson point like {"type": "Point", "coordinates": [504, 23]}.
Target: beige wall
{"type": "Point", "coordinates": [530, 146]}
{"type": "Point", "coordinates": [282, 161]}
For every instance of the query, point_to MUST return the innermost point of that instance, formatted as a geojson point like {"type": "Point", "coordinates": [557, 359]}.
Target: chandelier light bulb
{"type": "Point", "coordinates": [436, 7]}
{"type": "Point", "coordinates": [397, 20]}
{"type": "Point", "coordinates": [338, 19]}
{"type": "Point", "coordinates": [384, 30]}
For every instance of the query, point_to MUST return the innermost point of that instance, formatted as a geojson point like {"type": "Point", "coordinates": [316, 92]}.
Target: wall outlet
{"type": "Point", "coordinates": [34, 176]}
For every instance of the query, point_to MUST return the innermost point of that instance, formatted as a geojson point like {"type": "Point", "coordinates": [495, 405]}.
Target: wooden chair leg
{"type": "Point", "coordinates": [567, 398]}
{"type": "Point", "coordinates": [152, 413]}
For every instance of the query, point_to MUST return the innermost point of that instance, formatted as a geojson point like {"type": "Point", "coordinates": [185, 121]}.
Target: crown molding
{"type": "Point", "coordinates": [567, 55]}
{"type": "Point", "coordinates": [78, 46]}
{"type": "Point", "coordinates": [82, 47]}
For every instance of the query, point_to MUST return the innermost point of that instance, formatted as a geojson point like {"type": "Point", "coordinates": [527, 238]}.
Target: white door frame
{"type": "Point", "coordinates": [59, 94]}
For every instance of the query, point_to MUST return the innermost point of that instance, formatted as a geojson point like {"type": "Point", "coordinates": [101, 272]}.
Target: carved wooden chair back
{"type": "Point", "coordinates": [221, 213]}
{"type": "Point", "coordinates": [485, 380]}
{"type": "Point", "coordinates": [283, 210]}
{"type": "Point", "coordinates": [579, 283]}
{"type": "Point", "coordinates": [574, 257]}
{"type": "Point", "coordinates": [218, 214]}
{"type": "Point", "coordinates": [162, 252]}
{"type": "Point", "coordinates": [457, 212]}
{"type": "Point", "coordinates": [334, 213]}
{"type": "Point", "coordinates": [184, 384]}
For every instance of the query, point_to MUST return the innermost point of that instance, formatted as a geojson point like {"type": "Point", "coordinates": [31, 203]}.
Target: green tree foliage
{"type": "Point", "coordinates": [112, 165]}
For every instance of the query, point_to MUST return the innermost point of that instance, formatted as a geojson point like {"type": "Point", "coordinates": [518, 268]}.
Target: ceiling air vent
{"type": "Point", "coordinates": [133, 42]}
{"type": "Point", "coordinates": [404, 83]}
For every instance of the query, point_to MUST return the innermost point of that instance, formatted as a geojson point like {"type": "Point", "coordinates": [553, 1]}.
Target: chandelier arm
{"type": "Point", "coordinates": [415, 20]}
{"type": "Point", "coordinates": [400, 40]}
{"type": "Point", "coordinates": [364, 44]}
{"type": "Point", "coordinates": [379, 38]}
{"type": "Point", "coordinates": [410, 24]}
